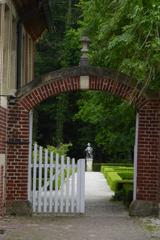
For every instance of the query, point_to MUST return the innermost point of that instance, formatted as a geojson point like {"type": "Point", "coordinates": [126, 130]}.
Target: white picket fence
{"type": "Point", "coordinates": [56, 184]}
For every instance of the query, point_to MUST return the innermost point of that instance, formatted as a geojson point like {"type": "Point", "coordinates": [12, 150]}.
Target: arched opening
{"type": "Point", "coordinates": [86, 78]}
{"type": "Point", "coordinates": [87, 116]}
{"type": "Point", "coordinates": [70, 121]}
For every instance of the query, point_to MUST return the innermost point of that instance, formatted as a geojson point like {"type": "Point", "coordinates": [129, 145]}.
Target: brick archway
{"type": "Point", "coordinates": [85, 78]}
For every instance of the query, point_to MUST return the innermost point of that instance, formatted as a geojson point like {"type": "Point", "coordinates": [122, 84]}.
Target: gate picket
{"type": "Point", "coordinates": [67, 185]}
{"type": "Point", "coordinates": [73, 187]}
{"type": "Point", "coordinates": [56, 183]}
{"type": "Point", "coordinates": [82, 186]}
{"type": "Point", "coordinates": [34, 177]}
{"type": "Point", "coordinates": [40, 181]}
{"type": "Point", "coordinates": [51, 182]}
{"type": "Point", "coordinates": [78, 186]}
{"type": "Point", "coordinates": [45, 180]}
{"type": "Point", "coordinates": [62, 184]}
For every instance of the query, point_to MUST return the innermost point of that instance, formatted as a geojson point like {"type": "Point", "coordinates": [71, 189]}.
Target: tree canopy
{"type": "Point", "coordinates": [124, 35]}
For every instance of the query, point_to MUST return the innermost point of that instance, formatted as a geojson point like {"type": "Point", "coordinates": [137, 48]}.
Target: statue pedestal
{"type": "Point", "coordinates": [89, 162]}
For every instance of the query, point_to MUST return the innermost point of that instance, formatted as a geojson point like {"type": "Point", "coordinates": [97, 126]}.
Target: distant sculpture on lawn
{"type": "Point", "coordinates": [89, 157]}
{"type": "Point", "coordinates": [89, 151]}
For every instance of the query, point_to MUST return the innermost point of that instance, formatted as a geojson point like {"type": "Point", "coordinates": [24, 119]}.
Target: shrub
{"type": "Point", "coordinates": [107, 170]}
{"type": "Point", "coordinates": [120, 180]}
{"type": "Point", "coordinates": [100, 166]}
{"type": "Point", "coordinates": [113, 178]}
{"type": "Point", "coordinates": [124, 182]}
{"type": "Point", "coordinates": [61, 150]}
{"type": "Point", "coordinates": [116, 168]}
{"type": "Point", "coordinates": [128, 194]}
{"type": "Point", "coordinates": [124, 192]}
{"type": "Point", "coordinates": [126, 174]}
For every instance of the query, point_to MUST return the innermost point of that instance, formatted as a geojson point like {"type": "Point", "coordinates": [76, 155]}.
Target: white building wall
{"type": "Point", "coordinates": [7, 50]}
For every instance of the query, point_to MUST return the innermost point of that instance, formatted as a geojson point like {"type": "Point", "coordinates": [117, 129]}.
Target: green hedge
{"type": "Point", "coordinates": [120, 180]}
{"type": "Point", "coordinates": [113, 178]}
{"type": "Point", "coordinates": [124, 182]}
{"type": "Point", "coordinates": [98, 166]}
{"type": "Point", "coordinates": [128, 194]}
{"type": "Point", "coordinates": [124, 192]}
{"type": "Point", "coordinates": [116, 168]}
{"type": "Point", "coordinates": [106, 170]}
{"type": "Point", "coordinates": [126, 174]}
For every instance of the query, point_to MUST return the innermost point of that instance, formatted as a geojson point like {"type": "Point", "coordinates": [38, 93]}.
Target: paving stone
{"type": "Point", "coordinates": [103, 220]}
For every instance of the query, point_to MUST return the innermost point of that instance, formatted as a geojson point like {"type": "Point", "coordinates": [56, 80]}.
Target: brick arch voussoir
{"type": "Point", "coordinates": [51, 86]}
{"type": "Point", "coordinates": [128, 93]}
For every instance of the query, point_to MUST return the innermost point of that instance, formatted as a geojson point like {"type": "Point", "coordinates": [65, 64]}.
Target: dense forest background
{"type": "Point", "coordinates": [124, 35]}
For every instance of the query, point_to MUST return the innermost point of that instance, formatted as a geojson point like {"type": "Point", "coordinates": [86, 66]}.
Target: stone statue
{"type": "Point", "coordinates": [89, 151]}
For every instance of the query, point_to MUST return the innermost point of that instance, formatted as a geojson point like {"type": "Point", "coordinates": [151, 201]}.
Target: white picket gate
{"type": "Point", "coordinates": [56, 184]}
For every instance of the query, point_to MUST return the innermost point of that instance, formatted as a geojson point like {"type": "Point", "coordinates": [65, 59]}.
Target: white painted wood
{"type": "Point", "coordinates": [67, 185]}
{"type": "Point", "coordinates": [82, 185]}
{"type": "Point", "coordinates": [135, 157]}
{"type": "Point", "coordinates": [30, 154]}
{"type": "Point", "coordinates": [45, 180]}
{"type": "Point", "coordinates": [34, 177]}
{"type": "Point", "coordinates": [62, 185]}
{"type": "Point", "coordinates": [51, 183]}
{"type": "Point", "coordinates": [56, 184]}
{"type": "Point", "coordinates": [73, 187]}
{"type": "Point", "coordinates": [69, 197]}
{"type": "Point", "coordinates": [78, 187]}
{"type": "Point", "coordinates": [40, 180]}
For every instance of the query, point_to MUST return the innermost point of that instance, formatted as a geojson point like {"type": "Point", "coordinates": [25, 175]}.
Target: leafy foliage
{"type": "Point", "coordinates": [125, 36]}
{"type": "Point", "coordinates": [61, 150]}
{"type": "Point", "coordinates": [112, 118]}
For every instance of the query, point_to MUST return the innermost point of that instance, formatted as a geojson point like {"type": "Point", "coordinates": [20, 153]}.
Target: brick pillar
{"type": "Point", "coordinates": [148, 165]}
{"type": "Point", "coordinates": [17, 160]}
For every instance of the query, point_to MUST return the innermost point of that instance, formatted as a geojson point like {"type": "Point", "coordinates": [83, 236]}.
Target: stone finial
{"type": "Point", "coordinates": [84, 50]}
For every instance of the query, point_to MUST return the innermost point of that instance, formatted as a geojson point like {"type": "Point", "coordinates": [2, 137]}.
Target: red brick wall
{"type": "Point", "coordinates": [49, 89]}
{"type": "Point", "coordinates": [17, 153]}
{"type": "Point", "coordinates": [148, 175]}
{"type": "Point", "coordinates": [1, 191]}
{"type": "Point", "coordinates": [3, 138]}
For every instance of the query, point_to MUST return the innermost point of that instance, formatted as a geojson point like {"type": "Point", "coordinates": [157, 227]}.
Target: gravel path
{"type": "Point", "coordinates": [104, 220]}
